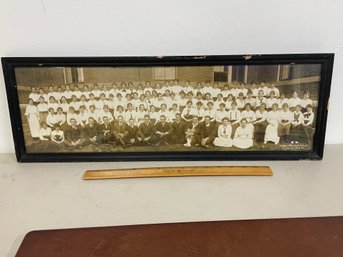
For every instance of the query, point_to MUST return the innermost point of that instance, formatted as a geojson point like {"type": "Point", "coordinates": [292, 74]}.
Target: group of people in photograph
{"type": "Point", "coordinates": [168, 113]}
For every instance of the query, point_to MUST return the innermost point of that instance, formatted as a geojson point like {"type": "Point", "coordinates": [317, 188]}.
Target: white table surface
{"type": "Point", "coordinates": [53, 195]}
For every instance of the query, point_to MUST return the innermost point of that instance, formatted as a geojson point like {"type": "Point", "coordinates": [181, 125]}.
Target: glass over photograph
{"type": "Point", "coordinates": [169, 109]}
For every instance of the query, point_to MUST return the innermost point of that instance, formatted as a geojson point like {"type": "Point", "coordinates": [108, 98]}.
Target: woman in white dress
{"type": "Point", "coordinates": [271, 134]}
{"type": "Point", "coordinates": [32, 115]}
{"type": "Point", "coordinates": [224, 134]}
{"type": "Point", "coordinates": [243, 136]}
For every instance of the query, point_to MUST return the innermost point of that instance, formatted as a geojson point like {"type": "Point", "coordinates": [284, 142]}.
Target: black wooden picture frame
{"type": "Point", "coordinates": [9, 65]}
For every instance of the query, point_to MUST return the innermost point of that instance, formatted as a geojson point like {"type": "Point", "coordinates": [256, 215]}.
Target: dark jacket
{"type": "Point", "coordinates": [145, 130]}
{"type": "Point", "coordinates": [132, 132]}
{"type": "Point", "coordinates": [207, 131]}
{"type": "Point", "coordinates": [90, 132]}
{"type": "Point", "coordinates": [162, 127]}
{"type": "Point", "coordinates": [73, 134]}
{"type": "Point", "coordinates": [178, 128]}
{"type": "Point", "coordinates": [105, 130]}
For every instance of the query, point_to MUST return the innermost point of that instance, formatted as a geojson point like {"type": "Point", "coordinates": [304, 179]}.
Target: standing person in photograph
{"type": "Point", "coordinates": [224, 132]}
{"type": "Point", "coordinates": [41, 93]}
{"type": "Point", "coordinates": [207, 132]}
{"type": "Point", "coordinates": [243, 136]}
{"type": "Point", "coordinates": [74, 136]}
{"type": "Point", "coordinates": [120, 131]}
{"type": "Point", "coordinates": [297, 132]}
{"type": "Point", "coordinates": [131, 136]}
{"type": "Point", "coordinates": [91, 132]}
{"type": "Point", "coordinates": [271, 134]}
{"type": "Point", "coordinates": [106, 135]}
{"type": "Point", "coordinates": [42, 108]}
{"type": "Point", "coordinates": [32, 115]}
{"type": "Point", "coordinates": [308, 123]}
{"type": "Point", "coordinates": [161, 132]}
{"type": "Point", "coordinates": [145, 131]}
{"type": "Point", "coordinates": [285, 120]}
{"type": "Point", "coordinates": [260, 123]}
{"type": "Point", "coordinates": [192, 133]}
{"type": "Point", "coordinates": [178, 128]}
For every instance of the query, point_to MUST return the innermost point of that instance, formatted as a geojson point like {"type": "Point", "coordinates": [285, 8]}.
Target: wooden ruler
{"type": "Point", "coordinates": [179, 172]}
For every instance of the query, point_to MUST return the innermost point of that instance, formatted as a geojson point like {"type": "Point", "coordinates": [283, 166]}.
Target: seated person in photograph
{"type": "Point", "coordinates": [271, 100]}
{"type": "Point", "coordinates": [210, 111]}
{"type": "Point", "coordinates": [120, 131]}
{"type": "Point", "coordinates": [60, 117]}
{"type": "Point", "coordinates": [91, 132]}
{"type": "Point", "coordinates": [305, 101]}
{"type": "Point", "coordinates": [93, 113]}
{"type": "Point", "coordinates": [74, 103]}
{"type": "Point", "coordinates": [230, 99]}
{"type": "Point", "coordinates": [42, 108]}
{"type": "Point", "coordinates": [172, 113]}
{"type": "Point", "coordinates": [83, 115]}
{"type": "Point", "coordinates": [224, 132]}
{"type": "Point", "coordinates": [234, 116]}
{"type": "Point", "coordinates": [297, 133]}
{"type": "Point", "coordinates": [73, 135]}
{"type": "Point", "coordinates": [285, 120]}
{"type": "Point", "coordinates": [207, 132]}
{"type": "Point", "coordinates": [218, 101]}
{"type": "Point", "coordinates": [64, 104]}
{"type": "Point", "coordinates": [131, 136]}
{"type": "Point", "coordinates": [53, 103]}
{"type": "Point", "coordinates": [106, 131]}
{"type": "Point", "coordinates": [91, 101]}
{"type": "Point", "coordinates": [51, 119]}
{"type": "Point", "coordinates": [294, 101]}
{"type": "Point", "coordinates": [161, 132]}
{"type": "Point", "coordinates": [44, 132]}
{"type": "Point", "coordinates": [260, 98]}
{"type": "Point", "coordinates": [263, 87]}
{"type": "Point", "coordinates": [282, 100]}
{"type": "Point", "coordinates": [249, 115]}
{"type": "Point", "coordinates": [250, 99]}
{"type": "Point", "coordinates": [145, 131]}
{"type": "Point", "coordinates": [260, 123]}
{"type": "Point", "coordinates": [221, 113]}
{"type": "Point", "coordinates": [273, 89]}
{"type": "Point", "coordinates": [71, 114]}
{"type": "Point", "coordinates": [240, 101]}
{"type": "Point", "coordinates": [199, 111]}
{"type": "Point", "coordinates": [141, 113]}
{"type": "Point", "coordinates": [106, 113]}
{"type": "Point", "coordinates": [271, 132]}
{"type": "Point", "coordinates": [178, 128]}
{"type": "Point", "coordinates": [186, 114]}
{"type": "Point", "coordinates": [243, 136]}
{"type": "Point", "coordinates": [130, 113]}
{"type": "Point", "coordinates": [34, 95]}
{"type": "Point", "coordinates": [192, 133]}
{"type": "Point", "coordinates": [57, 135]}
{"type": "Point", "coordinates": [164, 111]}
{"type": "Point", "coordinates": [119, 112]}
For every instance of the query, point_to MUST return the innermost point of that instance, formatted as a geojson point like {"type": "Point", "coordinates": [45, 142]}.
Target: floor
{"type": "Point", "coordinates": [49, 196]}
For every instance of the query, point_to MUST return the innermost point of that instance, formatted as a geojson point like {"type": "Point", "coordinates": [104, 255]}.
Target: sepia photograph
{"type": "Point", "coordinates": [177, 109]}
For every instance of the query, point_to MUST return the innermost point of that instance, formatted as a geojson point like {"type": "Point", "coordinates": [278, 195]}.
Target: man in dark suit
{"type": "Point", "coordinates": [177, 135]}
{"type": "Point", "coordinates": [161, 132]}
{"type": "Point", "coordinates": [207, 132]}
{"type": "Point", "coordinates": [145, 131]}
{"type": "Point", "coordinates": [192, 133]}
{"type": "Point", "coordinates": [106, 132]}
{"type": "Point", "coordinates": [74, 136]}
{"type": "Point", "coordinates": [91, 132]}
{"type": "Point", "coordinates": [131, 136]}
{"type": "Point", "coordinates": [120, 131]}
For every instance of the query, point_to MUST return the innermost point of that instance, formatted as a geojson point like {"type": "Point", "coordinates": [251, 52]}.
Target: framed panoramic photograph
{"type": "Point", "coordinates": [242, 107]}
